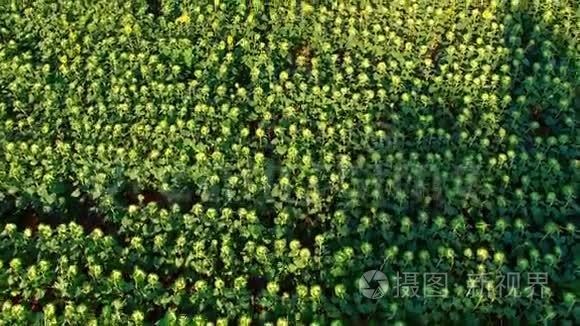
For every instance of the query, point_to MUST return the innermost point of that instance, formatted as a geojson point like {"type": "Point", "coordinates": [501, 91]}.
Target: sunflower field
{"type": "Point", "coordinates": [406, 162]}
